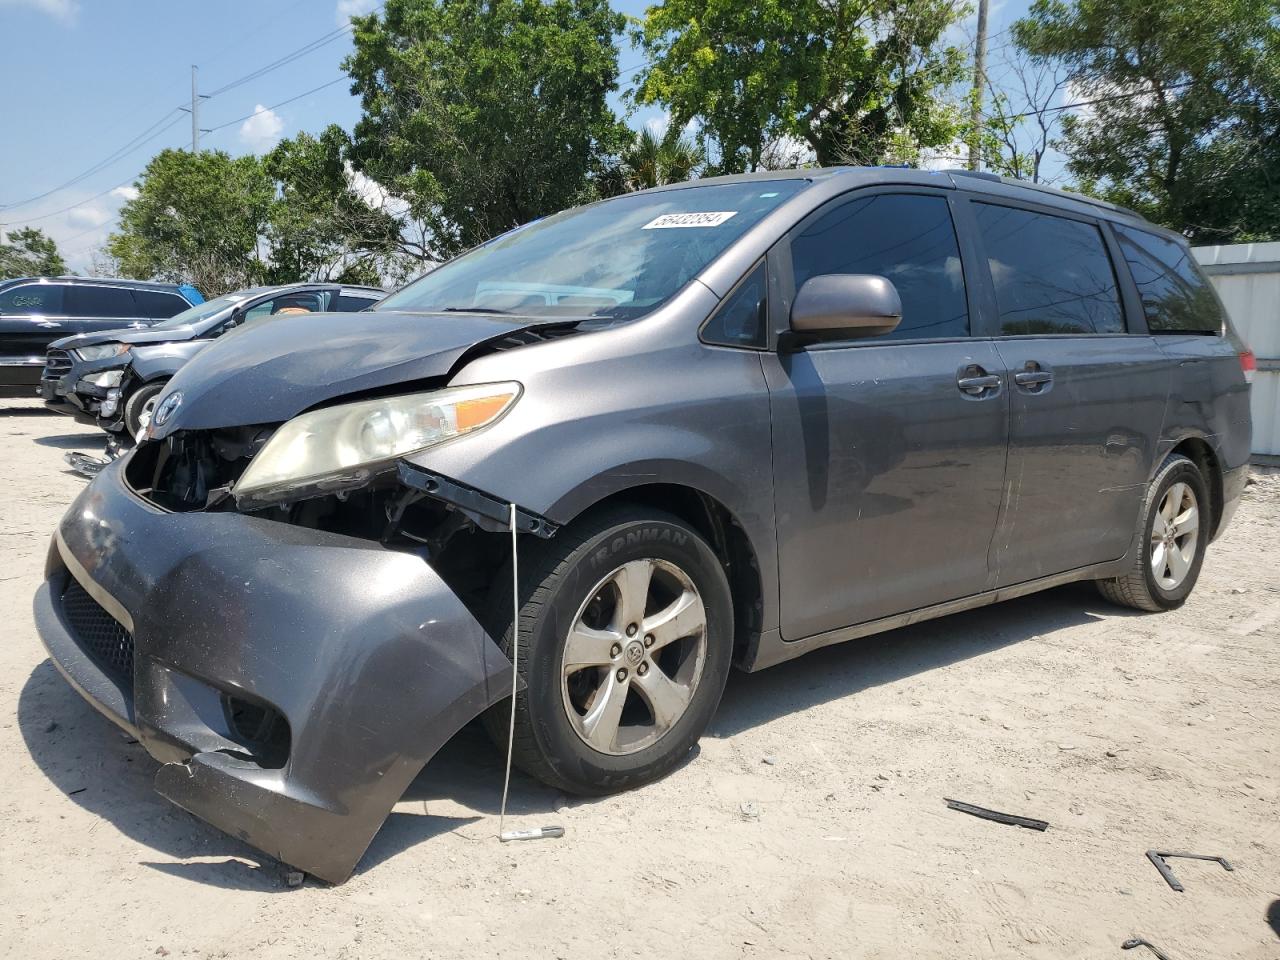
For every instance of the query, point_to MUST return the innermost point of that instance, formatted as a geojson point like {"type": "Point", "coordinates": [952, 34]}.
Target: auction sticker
{"type": "Point", "coordinates": [670, 220]}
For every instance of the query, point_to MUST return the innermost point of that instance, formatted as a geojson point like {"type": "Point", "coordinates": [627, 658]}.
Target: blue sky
{"type": "Point", "coordinates": [84, 78]}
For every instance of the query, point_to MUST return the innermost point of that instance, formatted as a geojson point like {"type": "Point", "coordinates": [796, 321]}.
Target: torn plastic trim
{"type": "Point", "coordinates": [485, 510]}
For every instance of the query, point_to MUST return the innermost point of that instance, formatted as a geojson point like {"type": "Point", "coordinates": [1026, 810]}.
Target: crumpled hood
{"type": "Point", "coordinates": [145, 335]}
{"type": "Point", "coordinates": [271, 370]}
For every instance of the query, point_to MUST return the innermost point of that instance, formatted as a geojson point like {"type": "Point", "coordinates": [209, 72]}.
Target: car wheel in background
{"type": "Point", "coordinates": [140, 405]}
{"type": "Point", "coordinates": [626, 636]}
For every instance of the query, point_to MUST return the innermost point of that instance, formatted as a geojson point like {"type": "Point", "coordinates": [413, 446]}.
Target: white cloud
{"type": "Point", "coordinates": [352, 8]}
{"type": "Point", "coordinates": [262, 131]}
{"type": "Point", "coordinates": [87, 216]}
{"type": "Point", "coordinates": [64, 10]}
{"type": "Point", "coordinates": [125, 193]}
{"type": "Point", "coordinates": [658, 125]}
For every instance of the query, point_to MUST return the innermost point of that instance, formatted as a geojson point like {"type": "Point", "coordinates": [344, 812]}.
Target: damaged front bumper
{"type": "Point", "coordinates": [291, 681]}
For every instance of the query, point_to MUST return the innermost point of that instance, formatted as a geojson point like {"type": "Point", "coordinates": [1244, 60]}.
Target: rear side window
{"type": "Point", "coordinates": [158, 305]}
{"type": "Point", "coordinates": [908, 238]}
{"type": "Point", "coordinates": [349, 304]}
{"type": "Point", "coordinates": [1051, 274]}
{"type": "Point", "coordinates": [42, 299]}
{"type": "Point", "coordinates": [87, 301]}
{"type": "Point", "coordinates": [1176, 296]}
{"type": "Point", "coordinates": [739, 322]}
{"type": "Point", "coordinates": [287, 303]}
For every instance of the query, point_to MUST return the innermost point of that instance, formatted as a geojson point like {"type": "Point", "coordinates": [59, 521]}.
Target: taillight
{"type": "Point", "coordinates": [1248, 363]}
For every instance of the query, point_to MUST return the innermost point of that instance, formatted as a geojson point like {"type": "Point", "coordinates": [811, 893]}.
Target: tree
{"type": "Point", "coordinates": [654, 161]}
{"type": "Point", "coordinates": [1184, 115]}
{"type": "Point", "coordinates": [484, 114]}
{"type": "Point", "coordinates": [319, 227]}
{"type": "Point", "coordinates": [197, 218]}
{"type": "Point", "coordinates": [858, 81]}
{"type": "Point", "coordinates": [29, 252]}
{"type": "Point", "coordinates": [1022, 121]}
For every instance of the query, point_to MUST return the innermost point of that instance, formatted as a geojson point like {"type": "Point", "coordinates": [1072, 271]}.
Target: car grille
{"type": "Point", "coordinates": [56, 364]}
{"type": "Point", "coordinates": [98, 633]}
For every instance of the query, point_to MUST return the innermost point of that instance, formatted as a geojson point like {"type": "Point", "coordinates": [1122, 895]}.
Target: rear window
{"type": "Point", "coordinates": [86, 301]}
{"type": "Point", "coordinates": [1051, 275]}
{"type": "Point", "coordinates": [42, 299]}
{"type": "Point", "coordinates": [158, 305]}
{"type": "Point", "coordinates": [1176, 296]}
{"type": "Point", "coordinates": [346, 303]}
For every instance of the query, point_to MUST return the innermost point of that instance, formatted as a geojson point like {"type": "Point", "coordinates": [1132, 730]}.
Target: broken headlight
{"type": "Point", "coordinates": [348, 443]}
{"type": "Point", "coordinates": [101, 351]}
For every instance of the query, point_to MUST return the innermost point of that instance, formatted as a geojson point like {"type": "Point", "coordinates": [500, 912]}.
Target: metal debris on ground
{"type": "Point", "coordinates": [996, 815]}
{"type": "Point", "coordinates": [86, 465]}
{"type": "Point", "coordinates": [1160, 859]}
{"type": "Point", "coordinates": [1139, 942]}
{"type": "Point", "coordinates": [294, 878]}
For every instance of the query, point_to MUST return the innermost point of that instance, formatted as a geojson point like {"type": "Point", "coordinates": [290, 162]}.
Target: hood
{"type": "Point", "coordinates": [144, 335]}
{"type": "Point", "coordinates": [274, 369]}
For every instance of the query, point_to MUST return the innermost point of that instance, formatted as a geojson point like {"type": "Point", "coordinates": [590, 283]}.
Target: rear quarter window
{"type": "Point", "coordinates": [158, 305]}
{"type": "Point", "coordinates": [346, 303]}
{"type": "Point", "coordinates": [1176, 296]}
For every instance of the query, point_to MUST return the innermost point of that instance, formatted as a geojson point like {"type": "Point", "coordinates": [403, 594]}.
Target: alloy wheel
{"type": "Point", "coordinates": [1174, 535]}
{"type": "Point", "coordinates": [634, 656]}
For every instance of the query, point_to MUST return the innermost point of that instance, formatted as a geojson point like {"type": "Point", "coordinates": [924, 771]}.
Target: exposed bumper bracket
{"type": "Point", "coordinates": [486, 511]}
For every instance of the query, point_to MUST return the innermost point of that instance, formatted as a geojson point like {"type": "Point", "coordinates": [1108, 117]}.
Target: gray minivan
{"type": "Point", "coordinates": [724, 422]}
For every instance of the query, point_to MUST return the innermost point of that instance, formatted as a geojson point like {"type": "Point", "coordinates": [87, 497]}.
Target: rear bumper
{"type": "Point", "coordinates": [366, 655]}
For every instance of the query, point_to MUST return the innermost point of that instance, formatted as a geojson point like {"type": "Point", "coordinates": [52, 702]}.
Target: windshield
{"type": "Point", "coordinates": [620, 258]}
{"type": "Point", "coordinates": [201, 311]}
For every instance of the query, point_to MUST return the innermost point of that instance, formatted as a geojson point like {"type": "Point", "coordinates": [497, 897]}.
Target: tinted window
{"type": "Point", "coordinates": [38, 298]}
{"type": "Point", "coordinates": [86, 301]}
{"type": "Point", "coordinates": [311, 302]}
{"type": "Point", "coordinates": [739, 322]}
{"type": "Point", "coordinates": [157, 305]}
{"type": "Point", "coordinates": [1051, 275]}
{"type": "Point", "coordinates": [347, 303]}
{"type": "Point", "coordinates": [909, 239]}
{"type": "Point", "coordinates": [1176, 297]}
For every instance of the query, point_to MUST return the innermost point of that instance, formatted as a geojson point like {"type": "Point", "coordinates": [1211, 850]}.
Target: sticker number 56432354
{"type": "Point", "coordinates": [670, 220]}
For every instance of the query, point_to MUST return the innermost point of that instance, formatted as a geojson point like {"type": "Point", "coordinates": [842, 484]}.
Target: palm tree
{"type": "Point", "coordinates": [653, 161]}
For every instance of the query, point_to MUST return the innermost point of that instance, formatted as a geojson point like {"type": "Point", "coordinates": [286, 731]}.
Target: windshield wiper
{"type": "Point", "coordinates": [474, 310]}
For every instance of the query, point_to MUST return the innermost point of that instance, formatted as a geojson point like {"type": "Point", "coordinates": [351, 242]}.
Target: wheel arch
{"type": "Point", "coordinates": [1199, 451]}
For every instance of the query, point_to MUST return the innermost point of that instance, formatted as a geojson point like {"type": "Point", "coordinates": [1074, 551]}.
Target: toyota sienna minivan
{"type": "Point", "coordinates": [723, 423]}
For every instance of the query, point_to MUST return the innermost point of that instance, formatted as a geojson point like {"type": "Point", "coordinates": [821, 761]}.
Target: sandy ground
{"type": "Point", "coordinates": [810, 824]}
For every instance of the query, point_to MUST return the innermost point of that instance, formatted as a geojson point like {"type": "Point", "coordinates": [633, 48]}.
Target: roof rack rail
{"type": "Point", "coordinates": [1041, 188]}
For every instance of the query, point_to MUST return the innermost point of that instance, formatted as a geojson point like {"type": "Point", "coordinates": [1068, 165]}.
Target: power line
{"type": "Point", "coordinates": [287, 59]}
{"type": "Point", "coordinates": [1089, 103]}
{"type": "Point", "coordinates": [282, 103]}
{"type": "Point", "coordinates": [121, 152]}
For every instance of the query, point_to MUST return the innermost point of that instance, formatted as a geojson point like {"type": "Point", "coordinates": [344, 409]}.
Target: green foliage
{"type": "Point", "coordinates": [197, 218]}
{"type": "Point", "coordinates": [858, 81]}
{"type": "Point", "coordinates": [318, 227]}
{"type": "Point", "coordinates": [654, 161]}
{"type": "Point", "coordinates": [485, 114]}
{"type": "Point", "coordinates": [1187, 129]}
{"type": "Point", "coordinates": [29, 252]}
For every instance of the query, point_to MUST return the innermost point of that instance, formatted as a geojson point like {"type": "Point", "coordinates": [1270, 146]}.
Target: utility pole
{"type": "Point", "coordinates": [195, 95]}
{"type": "Point", "coordinates": [979, 86]}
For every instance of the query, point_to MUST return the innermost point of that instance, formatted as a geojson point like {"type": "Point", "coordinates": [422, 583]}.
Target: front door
{"type": "Point", "coordinates": [889, 453]}
{"type": "Point", "coordinates": [1087, 396]}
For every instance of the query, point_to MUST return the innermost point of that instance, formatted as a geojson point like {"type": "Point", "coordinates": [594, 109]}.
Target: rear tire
{"type": "Point", "coordinates": [1173, 531]}
{"type": "Point", "coordinates": [625, 639]}
{"type": "Point", "coordinates": [138, 407]}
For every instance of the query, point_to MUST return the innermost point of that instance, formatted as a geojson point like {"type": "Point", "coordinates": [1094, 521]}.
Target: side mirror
{"type": "Point", "coordinates": [845, 306]}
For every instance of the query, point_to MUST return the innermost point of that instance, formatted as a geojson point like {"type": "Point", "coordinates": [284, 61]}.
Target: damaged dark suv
{"type": "Point", "coordinates": [725, 422]}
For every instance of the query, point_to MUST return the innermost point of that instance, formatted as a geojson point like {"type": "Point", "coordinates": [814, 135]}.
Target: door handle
{"type": "Point", "coordinates": [1033, 376]}
{"type": "Point", "coordinates": [974, 381]}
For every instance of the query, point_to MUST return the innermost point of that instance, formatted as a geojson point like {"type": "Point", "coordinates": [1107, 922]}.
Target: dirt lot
{"type": "Point", "coordinates": [810, 824]}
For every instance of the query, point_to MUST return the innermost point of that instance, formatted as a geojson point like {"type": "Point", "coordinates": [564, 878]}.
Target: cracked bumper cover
{"type": "Point", "coordinates": [367, 654]}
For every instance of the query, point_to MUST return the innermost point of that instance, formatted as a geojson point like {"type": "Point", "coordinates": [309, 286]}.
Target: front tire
{"type": "Point", "coordinates": [1173, 532]}
{"type": "Point", "coordinates": [139, 406]}
{"type": "Point", "coordinates": [625, 639]}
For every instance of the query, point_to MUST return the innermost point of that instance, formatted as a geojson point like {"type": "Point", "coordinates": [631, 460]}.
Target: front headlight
{"type": "Point", "coordinates": [349, 443]}
{"type": "Point", "coordinates": [107, 378]}
{"type": "Point", "coordinates": [101, 351]}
